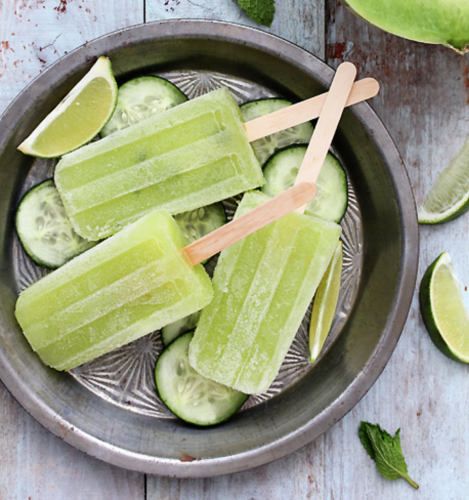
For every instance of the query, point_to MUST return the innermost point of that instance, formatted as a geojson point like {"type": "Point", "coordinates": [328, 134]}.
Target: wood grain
{"type": "Point", "coordinates": [34, 464]}
{"type": "Point", "coordinates": [424, 102]}
{"type": "Point", "coordinates": [35, 33]}
{"type": "Point", "coordinates": [299, 21]}
{"type": "Point", "coordinates": [306, 110]}
{"type": "Point", "coordinates": [250, 222]}
{"type": "Point", "coordinates": [326, 127]}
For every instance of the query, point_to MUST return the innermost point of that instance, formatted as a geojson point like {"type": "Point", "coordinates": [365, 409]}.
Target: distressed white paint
{"type": "Point", "coordinates": [299, 21]}
{"type": "Point", "coordinates": [35, 33]}
{"type": "Point", "coordinates": [34, 464]}
{"type": "Point", "coordinates": [424, 103]}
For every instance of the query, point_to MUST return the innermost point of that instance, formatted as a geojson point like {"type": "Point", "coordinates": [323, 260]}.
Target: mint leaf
{"type": "Point", "coordinates": [261, 11]}
{"type": "Point", "coordinates": [385, 450]}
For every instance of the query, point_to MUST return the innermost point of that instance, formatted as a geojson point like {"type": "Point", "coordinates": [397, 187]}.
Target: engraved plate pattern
{"type": "Point", "coordinates": [125, 376]}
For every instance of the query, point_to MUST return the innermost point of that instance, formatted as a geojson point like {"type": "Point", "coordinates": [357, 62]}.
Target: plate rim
{"type": "Point", "coordinates": [283, 49]}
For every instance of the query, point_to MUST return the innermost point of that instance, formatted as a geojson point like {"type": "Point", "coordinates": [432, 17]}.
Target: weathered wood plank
{"type": "Point", "coordinates": [34, 463]}
{"type": "Point", "coordinates": [35, 33]}
{"type": "Point", "coordinates": [299, 21]}
{"type": "Point", "coordinates": [424, 103]}
{"type": "Point", "coordinates": [297, 476]}
{"type": "Point", "coordinates": [300, 475]}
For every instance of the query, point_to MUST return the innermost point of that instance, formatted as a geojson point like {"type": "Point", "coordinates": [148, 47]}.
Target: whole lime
{"type": "Point", "coordinates": [443, 22]}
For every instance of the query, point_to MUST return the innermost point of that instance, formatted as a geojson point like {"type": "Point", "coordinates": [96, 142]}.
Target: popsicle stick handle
{"type": "Point", "coordinates": [246, 224]}
{"type": "Point", "coordinates": [326, 127]}
{"type": "Point", "coordinates": [305, 111]}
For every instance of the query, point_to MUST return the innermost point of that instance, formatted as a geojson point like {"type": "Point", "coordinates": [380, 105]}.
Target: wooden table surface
{"type": "Point", "coordinates": [424, 103]}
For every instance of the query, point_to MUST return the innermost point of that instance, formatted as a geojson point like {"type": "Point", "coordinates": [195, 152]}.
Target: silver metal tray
{"type": "Point", "coordinates": [109, 407]}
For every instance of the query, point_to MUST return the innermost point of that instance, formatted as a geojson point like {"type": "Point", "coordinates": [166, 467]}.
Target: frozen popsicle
{"type": "Point", "coordinates": [264, 283]}
{"type": "Point", "coordinates": [262, 288]}
{"type": "Point", "coordinates": [190, 156]}
{"type": "Point", "coordinates": [135, 282]}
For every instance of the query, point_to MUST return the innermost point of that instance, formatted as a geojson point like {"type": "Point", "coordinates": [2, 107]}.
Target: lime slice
{"type": "Point", "coordinates": [443, 309]}
{"type": "Point", "coordinates": [79, 117]}
{"type": "Point", "coordinates": [449, 197]}
{"type": "Point", "coordinates": [324, 305]}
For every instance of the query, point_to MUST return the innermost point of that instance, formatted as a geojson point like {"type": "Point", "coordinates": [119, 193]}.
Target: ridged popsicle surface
{"type": "Point", "coordinates": [262, 285]}
{"type": "Point", "coordinates": [127, 286]}
{"type": "Point", "coordinates": [190, 156]}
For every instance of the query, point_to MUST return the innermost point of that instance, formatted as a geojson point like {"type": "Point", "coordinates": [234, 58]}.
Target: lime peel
{"type": "Point", "coordinates": [325, 304]}
{"type": "Point", "coordinates": [443, 309]}
{"type": "Point", "coordinates": [79, 117]}
{"type": "Point", "coordinates": [449, 197]}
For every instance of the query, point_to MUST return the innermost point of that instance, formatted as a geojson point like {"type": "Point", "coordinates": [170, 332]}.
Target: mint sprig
{"type": "Point", "coordinates": [385, 450]}
{"type": "Point", "coordinates": [261, 11]}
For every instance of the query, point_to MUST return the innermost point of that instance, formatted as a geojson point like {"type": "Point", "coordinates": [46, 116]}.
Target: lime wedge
{"type": "Point", "coordinates": [325, 304]}
{"type": "Point", "coordinates": [79, 117]}
{"type": "Point", "coordinates": [449, 197]}
{"type": "Point", "coordinates": [443, 309]}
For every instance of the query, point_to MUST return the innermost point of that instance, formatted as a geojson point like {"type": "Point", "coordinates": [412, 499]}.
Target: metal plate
{"type": "Point", "coordinates": [120, 386]}
{"type": "Point", "coordinates": [126, 376]}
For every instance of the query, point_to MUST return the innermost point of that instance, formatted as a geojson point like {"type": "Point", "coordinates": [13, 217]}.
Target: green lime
{"type": "Point", "coordinates": [443, 309]}
{"type": "Point", "coordinates": [325, 304]}
{"type": "Point", "coordinates": [449, 197]}
{"type": "Point", "coordinates": [79, 117]}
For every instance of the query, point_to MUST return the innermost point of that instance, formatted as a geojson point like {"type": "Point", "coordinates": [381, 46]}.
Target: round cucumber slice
{"type": "Point", "coordinates": [140, 99]}
{"type": "Point", "coordinates": [331, 200]}
{"type": "Point", "coordinates": [267, 146]}
{"type": "Point", "coordinates": [44, 229]}
{"type": "Point", "coordinates": [199, 222]}
{"type": "Point", "coordinates": [187, 394]}
{"type": "Point", "coordinates": [174, 330]}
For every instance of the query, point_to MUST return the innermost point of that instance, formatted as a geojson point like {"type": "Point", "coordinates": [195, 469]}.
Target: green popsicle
{"type": "Point", "coordinates": [133, 283]}
{"type": "Point", "coordinates": [262, 288]}
{"type": "Point", "coordinates": [187, 157]}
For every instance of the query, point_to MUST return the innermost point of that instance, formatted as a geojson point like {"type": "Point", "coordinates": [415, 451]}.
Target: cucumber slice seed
{"type": "Point", "coordinates": [140, 99]}
{"type": "Point", "coordinates": [44, 229]}
{"type": "Point", "coordinates": [194, 225]}
{"type": "Point", "coordinates": [174, 330]}
{"type": "Point", "coordinates": [199, 222]}
{"type": "Point", "coordinates": [189, 395]}
{"type": "Point", "coordinates": [267, 146]}
{"type": "Point", "coordinates": [331, 200]}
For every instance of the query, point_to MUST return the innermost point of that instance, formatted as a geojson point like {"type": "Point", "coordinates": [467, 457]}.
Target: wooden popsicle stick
{"type": "Point", "coordinates": [327, 125]}
{"type": "Point", "coordinates": [305, 111]}
{"type": "Point", "coordinates": [297, 196]}
{"type": "Point", "coordinates": [246, 224]}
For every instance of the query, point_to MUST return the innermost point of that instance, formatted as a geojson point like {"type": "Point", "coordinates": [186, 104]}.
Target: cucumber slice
{"type": "Point", "coordinates": [197, 223]}
{"type": "Point", "coordinates": [141, 98]}
{"type": "Point", "coordinates": [267, 146]}
{"type": "Point", "coordinates": [174, 330]}
{"type": "Point", "coordinates": [44, 229]}
{"type": "Point", "coordinates": [194, 225]}
{"type": "Point", "coordinates": [330, 202]}
{"type": "Point", "coordinates": [187, 394]}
